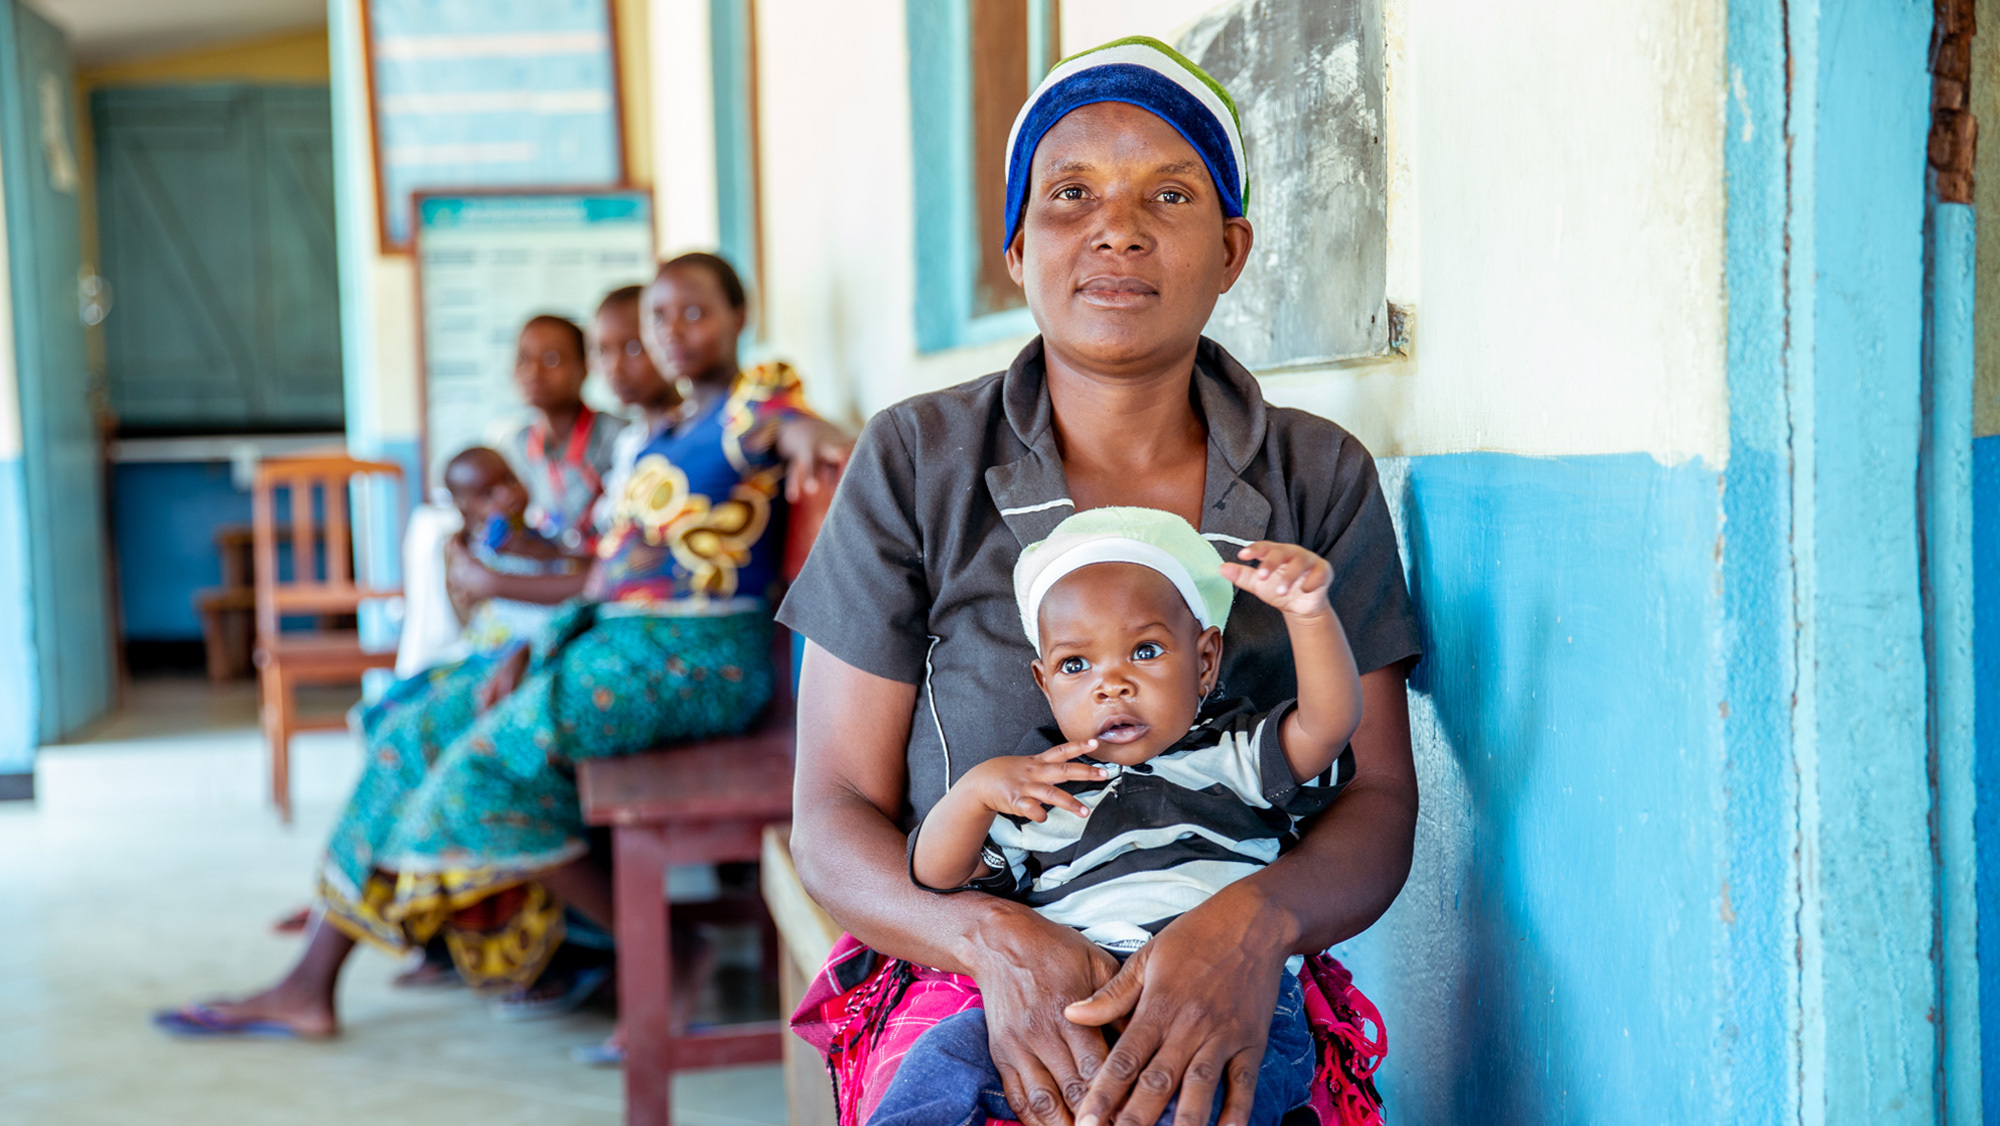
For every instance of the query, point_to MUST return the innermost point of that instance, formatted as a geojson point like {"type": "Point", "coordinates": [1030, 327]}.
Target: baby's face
{"type": "Point", "coordinates": [494, 491]}
{"type": "Point", "coordinates": [1123, 660]}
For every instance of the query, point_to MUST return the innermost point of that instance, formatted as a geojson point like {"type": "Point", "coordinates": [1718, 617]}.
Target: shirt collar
{"type": "Point", "coordinates": [1033, 494]}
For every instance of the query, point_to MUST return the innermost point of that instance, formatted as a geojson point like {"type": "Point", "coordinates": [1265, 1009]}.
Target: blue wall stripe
{"type": "Point", "coordinates": [19, 691]}
{"type": "Point", "coordinates": [1986, 736]}
{"type": "Point", "coordinates": [164, 516]}
{"type": "Point", "coordinates": [1561, 952]}
{"type": "Point", "coordinates": [1758, 581]}
{"type": "Point", "coordinates": [1946, 475]}
{"type": "Point", "coordinates": [1869, 843]}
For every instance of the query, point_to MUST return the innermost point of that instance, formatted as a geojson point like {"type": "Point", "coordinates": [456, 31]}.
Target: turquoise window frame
{"type": "Point", "coordinates": [940, 34]}
{"type": "Point", "coordinates": [730, 46]}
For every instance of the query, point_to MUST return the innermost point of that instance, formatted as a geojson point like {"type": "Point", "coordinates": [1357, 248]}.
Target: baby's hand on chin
{"type": "Point", "coordinates": [1027, 785]}
{"type": "Point", "coordinates": [1283, 575]}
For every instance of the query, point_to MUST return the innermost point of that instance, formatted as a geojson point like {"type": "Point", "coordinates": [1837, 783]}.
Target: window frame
{"type": "Point", "coordinates": [941, 152]}
{"type": "Point", "coordinates": [739, 210]}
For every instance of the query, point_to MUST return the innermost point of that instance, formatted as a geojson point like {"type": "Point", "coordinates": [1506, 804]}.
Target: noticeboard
{"type": "Point", "coordinates": [489, 94]}
{"type": "Point", "coordinates": [486, 262]}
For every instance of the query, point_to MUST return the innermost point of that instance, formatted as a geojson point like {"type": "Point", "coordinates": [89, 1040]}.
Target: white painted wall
{"type": "Point", "coordinates": [1555, 209]}
{"type": "Point", "coordinates": [1556, 219]}
{"type": "Point", "coordinates": [684, 204]}
{"type": "Point", "coordinates": [378, 291]}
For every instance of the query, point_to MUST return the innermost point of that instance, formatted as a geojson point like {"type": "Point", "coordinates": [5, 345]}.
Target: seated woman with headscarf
{"type": "Point", "coordinates": [465, 821]}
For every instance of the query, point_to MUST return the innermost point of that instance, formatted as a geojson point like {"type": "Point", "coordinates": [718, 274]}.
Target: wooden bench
{"type": "Point", "coordinates": [706, 803]}
{"type": "Point", "coordinates": [701, 803]}
{"type": "Point", "coordinates": [807, 935]}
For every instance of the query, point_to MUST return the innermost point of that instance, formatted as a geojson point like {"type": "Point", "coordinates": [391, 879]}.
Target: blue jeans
{"type": "Point", "coordinates": [948, 1078]}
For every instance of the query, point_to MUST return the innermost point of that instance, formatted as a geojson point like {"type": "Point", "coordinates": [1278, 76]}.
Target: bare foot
{"type": "Point", "coordinates": [310, 1017]}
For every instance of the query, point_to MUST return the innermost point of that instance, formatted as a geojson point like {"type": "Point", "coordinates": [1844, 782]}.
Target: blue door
{"type": "Point", "coordinates": [62, 466]}
{"type": "Point", "coordinates": [215, 207]}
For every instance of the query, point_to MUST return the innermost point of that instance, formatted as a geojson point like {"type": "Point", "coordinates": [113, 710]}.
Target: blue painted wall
{"type": "Point", "coordinates": [1758, 596]}
{"type": "Point", "coordinates": [1869, 857]}
{"type": "Point", "coordinates": [1561, 950]}
{"type": "Point", "coordinates": [1945, 481]}
{"type": "Point", "coordinates": [1986, 737]}
{"type": "Point", "coordinates": [19, 691]}
{"type": "Point", "coordinates": [164, 516]}
{"type": "Point", "coordinates": [1676, 861]}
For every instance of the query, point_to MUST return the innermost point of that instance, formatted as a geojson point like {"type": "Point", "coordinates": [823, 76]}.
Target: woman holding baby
{"type": "Point", "coordinates": [1126, 223]}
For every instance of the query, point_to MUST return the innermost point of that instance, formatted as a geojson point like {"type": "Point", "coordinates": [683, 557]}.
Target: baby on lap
{"type": "Point", "coordinates": [493, 504]}
{"type": "Point", "coordinates": [1146, 797]}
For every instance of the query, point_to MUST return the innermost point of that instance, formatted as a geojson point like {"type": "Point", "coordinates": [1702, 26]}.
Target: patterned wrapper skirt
{"type": "Point", "coordinates": [865, 1010]}
{"type": "Point", "coordinates": [458, 811]}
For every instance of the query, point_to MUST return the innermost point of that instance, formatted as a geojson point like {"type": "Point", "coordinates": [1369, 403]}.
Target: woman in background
{"type": "Point", "coordinates": [466, 822]}
{"type": "Point", "coordinates": [564, 451]}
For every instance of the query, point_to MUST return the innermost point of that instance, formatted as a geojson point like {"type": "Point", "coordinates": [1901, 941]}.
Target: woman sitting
{"type": "Point", "coordinates": [465, 821]}
{"type": "Point", "coordinates": [1125, 224]}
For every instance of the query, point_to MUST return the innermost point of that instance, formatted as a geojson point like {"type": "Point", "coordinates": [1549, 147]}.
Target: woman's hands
{"type": "Point", "coordinates": [1199, 997]}
{"type": "Point", "coordinates": [506, 677]}
{"type": "Point", "coordinates": [468, 581]}
{"type": "Point", "coordinates": [1027, 968]}
{"type": "Point", "coordinates": [809, 445]}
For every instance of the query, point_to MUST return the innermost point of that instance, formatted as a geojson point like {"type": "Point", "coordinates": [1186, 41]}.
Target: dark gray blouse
{"type": "Point", "coordinates": [911, 577]}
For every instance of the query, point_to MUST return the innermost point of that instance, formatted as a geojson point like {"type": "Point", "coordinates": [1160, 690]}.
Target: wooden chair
{"type": "Point", "coordinates": [321, 584]}
{"type": "Point", "coordinates": [228, 612]}
{"type": "Point", "coordinates": [694, 803]}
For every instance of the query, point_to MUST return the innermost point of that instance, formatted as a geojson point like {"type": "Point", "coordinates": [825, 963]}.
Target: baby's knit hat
{"type": "Point", "coordinates": [1146, 536]}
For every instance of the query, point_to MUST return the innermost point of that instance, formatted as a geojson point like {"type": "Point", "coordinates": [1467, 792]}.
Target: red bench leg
{"type": "Point", "coordinates": [645, 972]}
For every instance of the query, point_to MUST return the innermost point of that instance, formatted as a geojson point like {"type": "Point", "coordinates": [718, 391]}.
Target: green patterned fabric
{"type": "Point", "coordinates": [404, 732]}
{"type": "Point", "coordinates": [454, 806]}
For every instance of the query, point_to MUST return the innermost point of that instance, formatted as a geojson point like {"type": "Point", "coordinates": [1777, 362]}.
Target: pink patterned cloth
{"type": "Point", "coordinates": [865, 1010]}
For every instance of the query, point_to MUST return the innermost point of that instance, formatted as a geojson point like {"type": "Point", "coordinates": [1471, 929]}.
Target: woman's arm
{"type": "Point", "coordinates": [851, 855]}
{"type": "Point", "coordinates": [477, 582]}
{"type": "Point", "coordinates": [1200, 995]}
{"type": "Point", "coordinates": [814, 452]}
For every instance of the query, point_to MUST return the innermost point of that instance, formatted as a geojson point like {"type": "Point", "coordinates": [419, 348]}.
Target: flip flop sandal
{"type": "Point", "coordinates": [603, 1054]}
{"type": "Point", "coordinates": [294, 923]}
{"type": "Point", "coordinates": [521, 1005]}
{"type": "Point", "coordinates": [199, 1022]}
{"type": "Point", "coordinates": [424, 971]}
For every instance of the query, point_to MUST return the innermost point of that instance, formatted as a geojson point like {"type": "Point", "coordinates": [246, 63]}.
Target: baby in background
{"type": "Point", "coordinates": [493, 504]}
{"type": "Point", "coordinates": [1146, 798]}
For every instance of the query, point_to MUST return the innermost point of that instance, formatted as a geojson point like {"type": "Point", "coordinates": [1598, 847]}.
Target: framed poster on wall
{"type": "Point", "coordinates": [486, 262]}
{"type": "Point", "coordinates": [489, 93]}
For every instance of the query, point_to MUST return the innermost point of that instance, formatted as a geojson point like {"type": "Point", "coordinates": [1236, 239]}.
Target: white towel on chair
{"type": "Point", "coordinates": [431, 629]}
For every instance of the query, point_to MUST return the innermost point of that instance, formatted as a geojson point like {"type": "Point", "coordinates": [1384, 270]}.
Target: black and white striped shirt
{"type": "Point", "coordinates": [1164, 835]}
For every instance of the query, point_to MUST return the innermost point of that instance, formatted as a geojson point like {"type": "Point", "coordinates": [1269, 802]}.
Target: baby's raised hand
{"type": "Point", "coordinates": [1284, 575]}
{"type": "Point", "coordinates": [1026, 785]}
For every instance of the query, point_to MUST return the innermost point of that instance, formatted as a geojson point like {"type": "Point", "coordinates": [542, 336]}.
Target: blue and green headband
{"type": "Point", "coordinates": [1143, 72]}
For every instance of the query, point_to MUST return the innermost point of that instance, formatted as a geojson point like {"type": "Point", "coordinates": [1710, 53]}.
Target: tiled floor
{"type": "Point", "coordinates": [146, 874]}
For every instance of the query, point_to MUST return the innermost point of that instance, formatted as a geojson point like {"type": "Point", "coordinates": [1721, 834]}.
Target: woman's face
{"type": "Point", "coordinates": [690, 328]}
{"type": "Point", "coordinates": [1123, 249]}
{"type": "Point", "coordinates": [615, 350]}
{"type": "Point", "coordinates": [548, 372]}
